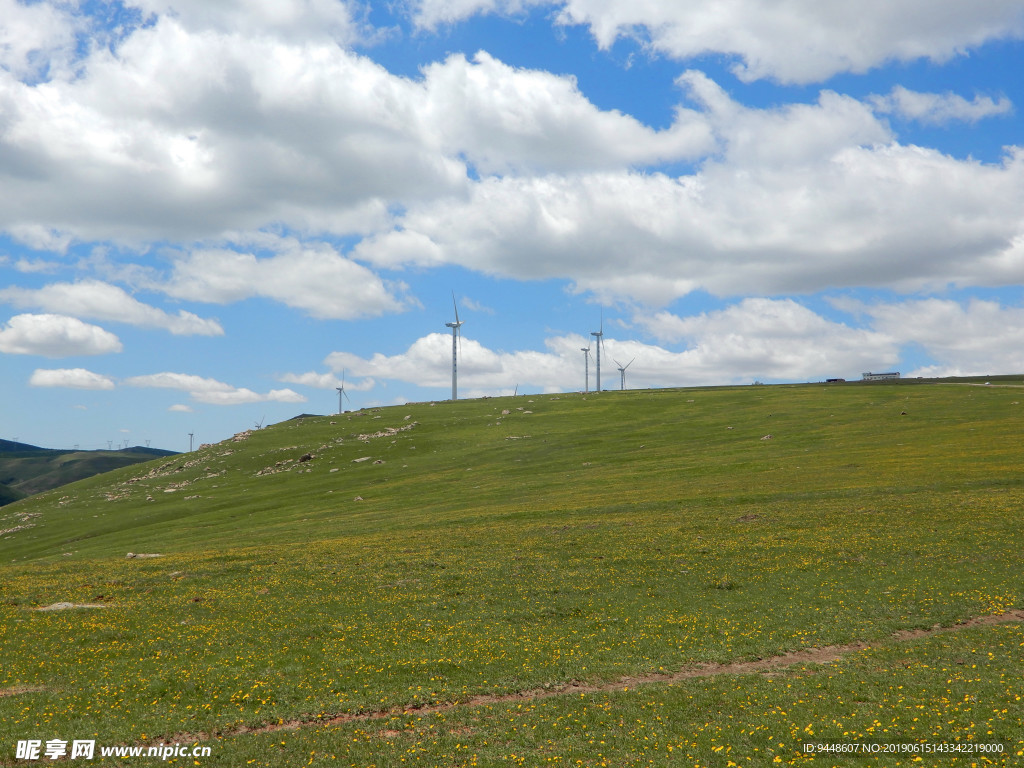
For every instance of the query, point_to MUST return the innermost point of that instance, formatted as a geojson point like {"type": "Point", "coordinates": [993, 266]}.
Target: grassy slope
{"type": "Point", "coordinates": [594, 538]}
{"type": "Point", "coordinates": [9, 495]}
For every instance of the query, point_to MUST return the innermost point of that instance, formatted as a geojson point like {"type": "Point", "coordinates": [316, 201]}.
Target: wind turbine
{"type": "Point", "coordinates": [622, 371]}
{"type": "Point", "coordinates": [342, 393]}
{"type": "Point", "coordinates": [586, 368]}
{"type": "Point", "coordinates": [599, 335]}
{"type": "Point", "coordinates": [456, 339]}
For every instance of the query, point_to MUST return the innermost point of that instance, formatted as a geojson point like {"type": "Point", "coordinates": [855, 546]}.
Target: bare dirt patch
{"type": "Point", "coordinates": [70, 606]}
{"type": "Point", "coordinates": [979, 621]}
{"type": "Point", "coordinates": [19, 690]}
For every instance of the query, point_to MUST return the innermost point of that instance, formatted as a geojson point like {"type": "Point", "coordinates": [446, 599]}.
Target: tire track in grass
{"type": "Point", "coordinates": [768, 665]}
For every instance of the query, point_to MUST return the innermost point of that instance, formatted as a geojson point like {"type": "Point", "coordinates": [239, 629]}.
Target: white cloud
{"type": "Point", "coordinates": [429, 14]}
{"type": "Point", "coordinates": [211, 391]}
{"type": "Point", "coordinates": [37, 266]}
{"type": "Point", "coordinates": [799, 41]}
{"type": "Point", "coordinates": [939, 108]}
{"type": "Point", "coordinates": [180, 408]}
{"type": "Point", "coordinates": [55, 336]}
{"type": "Point", "coordinates": [800, 198]}
{"type": "Point", "coordinates": [40, 237]}
{"type": "Point", "coordinates": [98, 300]}
{"type": "Point", "coordinates": [973, 338]}
{"type": "Point", "coordinates": [35, 37]}
{"type": "Point", "coordinates": [179, 134]}
{"type": "Point", "coordinates": [754, 339]}
{"type": "Point", "coordinates": [314, 278]}
{"type": "Point", "coordinates": [427, 362]}
{"type": "Point", "coordinates": [183, 135]}
{"type": "Point", "coordinates": [327, 381]}
{"type": "Point", "coordinates": [288, 19]}
{"type": "Point", "coordinates": [72, 378]}
{"type": "Point", "coordinates": [312, 379]}
{"type": "Point", "coordinates": [504, 119]}
{"type": "Point", "coordinates": [771, 339]}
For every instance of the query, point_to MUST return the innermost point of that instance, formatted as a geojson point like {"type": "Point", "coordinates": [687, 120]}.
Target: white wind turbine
{"type": "Point", "coordinates": [456, 345]}
{"type": "Point", "coordinates": [586, 368]}
{"type": "Point", "coordinates": [622, 371]}
{"type": "Point", "coordinates": [599, 335]}
{"type": "Point", "coordinates": [342, 393]}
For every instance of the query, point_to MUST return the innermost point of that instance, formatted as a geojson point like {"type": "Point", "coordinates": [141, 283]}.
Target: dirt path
{"type": "Point", "coordinates": [768, 665]}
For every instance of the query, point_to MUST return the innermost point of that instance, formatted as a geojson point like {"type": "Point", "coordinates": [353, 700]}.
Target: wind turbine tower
{"type": "Point", "coordinates": [599, 335]}
{"type": "Point", "coordinates": [622, 371]}
{"type": "Point", "coordinates": [456, 343]}
{"type": "Point", "coordinates": [586, 368]}
{"type": "Point", "coordinates": [342, 393]}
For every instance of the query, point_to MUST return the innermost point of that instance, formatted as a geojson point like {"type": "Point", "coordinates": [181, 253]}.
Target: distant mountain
{"type": "Point", "coordinates": [153, 453]}
{"type": "Point", "coordinates": [28, 469]}
{"type": "Point", "coordinates": [9, 446]}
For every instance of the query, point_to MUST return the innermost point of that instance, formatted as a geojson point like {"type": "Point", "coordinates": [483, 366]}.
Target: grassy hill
{"type": "Point", "coordinates": [27, 469]}
{"type": "Point", "coordinates": [671, 577]}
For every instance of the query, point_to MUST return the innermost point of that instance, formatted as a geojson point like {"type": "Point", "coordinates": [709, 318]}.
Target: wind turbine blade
{"type": "Point", "coordinates": [456, 308]}
{"type": "Point", "coordinates": [630, 363]}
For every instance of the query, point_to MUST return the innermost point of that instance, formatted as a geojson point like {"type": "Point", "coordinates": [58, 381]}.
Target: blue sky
{"type": "Point", "coordinates": [211, 212]}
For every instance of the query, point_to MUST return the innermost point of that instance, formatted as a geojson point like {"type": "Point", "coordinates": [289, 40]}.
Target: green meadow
{"type": "Point", "coordinates": [578, 580]}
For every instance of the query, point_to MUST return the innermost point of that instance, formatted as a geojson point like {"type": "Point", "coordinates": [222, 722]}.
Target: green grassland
{"type": "Point", "coordinates": [518, 581]}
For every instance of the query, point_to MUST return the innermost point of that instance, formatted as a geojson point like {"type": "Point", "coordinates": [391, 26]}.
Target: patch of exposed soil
{"type": "Point", "coordinates": [18, 690]}
{"type": "Point", "coordinates": [70, 606]}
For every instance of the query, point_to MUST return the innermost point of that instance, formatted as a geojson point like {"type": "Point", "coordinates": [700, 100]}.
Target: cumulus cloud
{"type": "Point", "coordinates": [228, 117]}
{"type": "Point", "coordinates": [771, 339]}
{"type": "Point", "coordinates": [800, 198]}
{"type": "Point", "coordinates": [427, 362]}
{"type": "Point", "coordinates": [327, 381]}
{"type": "Point", "coordinates": [504, 119]}
{"type": "Point", "coordinates": [178, 134]}
{"type": "Point", "coordinates": [754, 339]}
{"type": "Point", "coordinates": [211, 391]}
{"type": "Point", "coordinates": [98, 300]}
{"type": "Point", "coordinates": [800, 41]}
{"type": "Point", "coordinates": [429, 14]}
{"type": "Point", "coordinates": [314, 278]}
{"type": "Point", "coordinates": [71, 378]}
{"type": "Point", "coordinates": [939, 108]}
{"type": "Point", "coordinates": [976, 337]}
{"type": "Point", "coordinates": [55, 336]}
{"type": "Point", "coordinates": [35, 266]}
{"type": "Point", "coordinates": [36, 36]}
{"type": "Point", "coordinates": [288, 19]}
